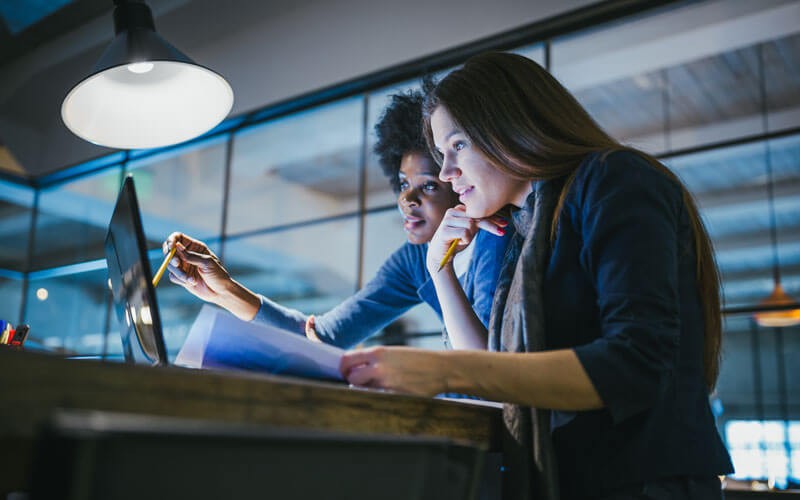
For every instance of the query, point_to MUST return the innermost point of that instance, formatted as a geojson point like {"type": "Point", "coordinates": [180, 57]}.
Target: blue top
{"type": "Point", "coordinates": [620, 289]}
{"type": "Point", "coordinates": [401, 282]}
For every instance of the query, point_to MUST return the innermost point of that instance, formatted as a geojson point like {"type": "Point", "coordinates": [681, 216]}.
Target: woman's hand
{"type": "Point", "coordinates": [196, 268]}
{"type": "Point", "coordinates": [456, 224]}
{"type": "Point", "coordinates": [402, 369]}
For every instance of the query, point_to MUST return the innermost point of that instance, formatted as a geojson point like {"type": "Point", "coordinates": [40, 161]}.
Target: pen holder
{"type": "Point", "coordinates": [11, 337]}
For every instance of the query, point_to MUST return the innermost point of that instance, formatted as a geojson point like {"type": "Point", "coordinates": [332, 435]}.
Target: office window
{"type": "Point", "coordinates": [182, 190]}
{"type": "Point", "coordinates": [419, 326]}
{"type": "Point", "coordinates": [73, 218]}
{"type": "Point", "coordinates": [297, 168]}
{"type": "Point", "coordinates": [16, 212]}
{"type": "Point", "coordinates": [730, 185]}
{"type": "Point", "coordinates": [765, 450]}
{"type": "Point", "coordinates": [310, 267]}
{"type": "Point", "coordinates": [736, 393]}
{"type": "Point", "coordinates": [610, 71]}
{"type": "Point", "coordinates": [11, 292]}
{"type": "Point", "coordinates": [756, 394]}
{"type": "Point", "coordinates": [688, 76]}
{"type": "Point", "coordinates": [67, 313]}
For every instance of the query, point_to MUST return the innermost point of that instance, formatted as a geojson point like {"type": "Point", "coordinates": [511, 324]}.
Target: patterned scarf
{"type": "Point", "coordinates": [517, 325]}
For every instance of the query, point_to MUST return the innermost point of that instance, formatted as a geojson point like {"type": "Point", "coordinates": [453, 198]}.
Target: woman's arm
{"type": "Point", "coordinates": [197, 269]}
{"type": "Point", "coordinates": [548, 379]}
{"type": "Point", "coordinates": [464, 327]}
{"type": "Point", "coordinates": [391, 292]}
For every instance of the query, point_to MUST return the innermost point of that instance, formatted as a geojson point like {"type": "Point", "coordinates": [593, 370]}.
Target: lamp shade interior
{"type": "Point", "coordinates": [147, 105]}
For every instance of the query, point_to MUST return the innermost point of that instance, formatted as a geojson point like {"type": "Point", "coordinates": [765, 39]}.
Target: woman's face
{"type": "Point", "coordinates": [423, 197]}
{"type": "Point", "coordinates": [482, 188]}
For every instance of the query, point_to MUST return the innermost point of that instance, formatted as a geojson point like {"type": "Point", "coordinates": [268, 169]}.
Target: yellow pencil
{"type": "Point", "coordinates": [449, 253]}
{"type": "Point", "coordinates": [163, 267]}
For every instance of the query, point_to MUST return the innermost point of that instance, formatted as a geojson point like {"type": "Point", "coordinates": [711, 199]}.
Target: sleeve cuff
{"type": "Point", "coordinates": [624, 391]}
{"type": "Point", "coordinates": [274, 314]}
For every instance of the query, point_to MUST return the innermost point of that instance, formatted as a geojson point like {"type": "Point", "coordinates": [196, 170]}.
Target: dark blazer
{"type": "Point", "coordinates": [620, 290]}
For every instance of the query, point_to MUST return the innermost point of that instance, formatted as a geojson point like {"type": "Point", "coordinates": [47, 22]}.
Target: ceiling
{"type": "Point", "coordinates": [28, 24]}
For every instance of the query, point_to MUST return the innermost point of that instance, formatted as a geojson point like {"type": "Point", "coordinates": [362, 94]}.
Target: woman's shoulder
{"type": "Point", "coordinates": [620, 162]}
{"type": "Point", "coordinates": [622, 171]}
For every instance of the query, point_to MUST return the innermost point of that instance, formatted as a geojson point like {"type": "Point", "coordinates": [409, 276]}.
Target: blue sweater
{"type": "Point", "coordinates": [620, 289]}
{"type": "Point", "coordinates": [401, 282]}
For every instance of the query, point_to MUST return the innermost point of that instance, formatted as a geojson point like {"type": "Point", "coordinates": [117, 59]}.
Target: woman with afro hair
{"type": "Point", "coordinates": [402, 281]}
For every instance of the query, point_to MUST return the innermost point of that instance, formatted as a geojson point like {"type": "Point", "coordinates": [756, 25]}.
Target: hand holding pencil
{"type": "Point", "coordinates": [163, 267]}
{"type": "Point", "coordinates": [455, 233]}
{"type": "Point", "coordinates": [451, 250]}
{"type": "Point", "coordinates": [192, 265]}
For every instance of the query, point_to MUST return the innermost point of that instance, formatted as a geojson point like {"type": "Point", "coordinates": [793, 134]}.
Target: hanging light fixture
{"type": "Point", "coordinates": [143, 92]}
{"type": "Point", "coordinates": [778, 299]}
{"type": "Point", "coordinates": [785, 316]}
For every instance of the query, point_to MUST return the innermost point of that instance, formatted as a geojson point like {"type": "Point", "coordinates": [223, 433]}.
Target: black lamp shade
{"type": "Point", "coordinates": [144, 93]}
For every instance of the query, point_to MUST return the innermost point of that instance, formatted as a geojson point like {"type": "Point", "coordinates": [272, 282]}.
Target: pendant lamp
{"type": "Point", "coordinates": [143, 92]}
{"type": "Point", "coordinates": [786, 315]}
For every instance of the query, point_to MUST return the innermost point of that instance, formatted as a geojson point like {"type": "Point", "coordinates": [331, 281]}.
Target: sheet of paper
{"type": "Point", "coordinates": [194, 347]}
{"type": "Point", "coordinates": [218, 339]}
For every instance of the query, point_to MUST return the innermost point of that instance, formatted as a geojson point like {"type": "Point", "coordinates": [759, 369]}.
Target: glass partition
{"type": "Point", "coordinates": [11, 293]}
{"type": "Point", "coordinates": [182, 190]}
{"type": "Point", "coordinates": [297, 168]}
{"type": "Point", "coordinates": [309, 267]}
{"type": "Point", "coordinates": [16, 213]}
{"type": "Point", "coordinates": [73, 218]}
{"type": "Point", "coordinates": [687, 76]}
{"type": "Point", "coordinates": [383, 235]}
{"type": "Point", "coordinates": [67, 313]}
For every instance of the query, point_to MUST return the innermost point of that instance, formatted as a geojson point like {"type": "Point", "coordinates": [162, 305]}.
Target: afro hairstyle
{"type": "Point", "coordinates": [399, 132]}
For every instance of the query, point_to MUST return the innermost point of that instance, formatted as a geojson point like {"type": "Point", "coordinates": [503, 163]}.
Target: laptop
{"type": "Point", "coordinates": [131, 282]}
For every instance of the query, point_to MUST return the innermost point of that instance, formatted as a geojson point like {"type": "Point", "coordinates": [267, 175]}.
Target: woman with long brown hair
{"type": "Point", "coordinates": [606, 320]}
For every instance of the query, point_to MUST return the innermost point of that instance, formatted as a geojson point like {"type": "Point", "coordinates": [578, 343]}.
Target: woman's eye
{"type": "Point", "coordinates": [403, 185]}
{"type": "Point", "coordinates": [459, 145]}
{"type": "Point", "coordinates": [430, 187]}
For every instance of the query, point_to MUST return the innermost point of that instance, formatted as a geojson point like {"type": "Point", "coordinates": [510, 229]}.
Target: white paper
{"type": "Point", "coordinates": [218, 339]}
{"type": "Point", "coordinates": [194, 347]}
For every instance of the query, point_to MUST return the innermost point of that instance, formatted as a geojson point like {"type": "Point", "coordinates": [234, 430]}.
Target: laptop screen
{"type": "Point", "coordinates": [130, 279]}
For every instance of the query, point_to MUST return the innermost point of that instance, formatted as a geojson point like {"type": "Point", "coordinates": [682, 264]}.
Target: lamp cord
{"type": "Point", "coordinates": [773, 225]}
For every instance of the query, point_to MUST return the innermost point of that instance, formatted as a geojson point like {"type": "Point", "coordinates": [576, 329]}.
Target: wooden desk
{"type": "Point", "coordinates": [33, 385]}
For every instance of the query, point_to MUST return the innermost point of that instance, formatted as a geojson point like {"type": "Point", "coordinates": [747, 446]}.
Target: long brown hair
{"type": "Point", "coordinates": [530, 127]}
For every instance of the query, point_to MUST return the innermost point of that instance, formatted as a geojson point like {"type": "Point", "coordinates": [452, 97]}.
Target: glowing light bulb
{"type": "Point", "coordinates": [42, 294]}
{"type": "Point", "coordinates": [140, 67]}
